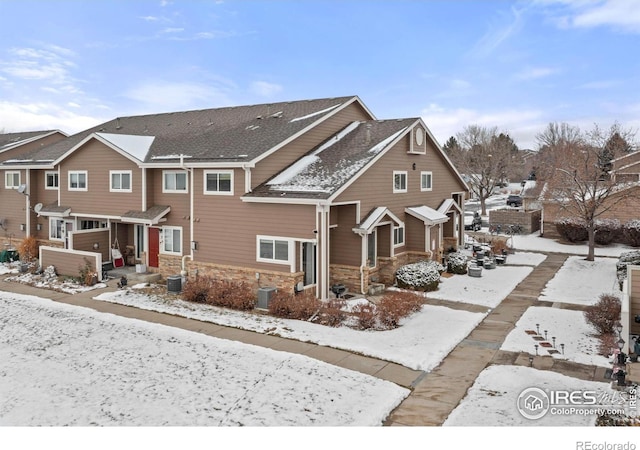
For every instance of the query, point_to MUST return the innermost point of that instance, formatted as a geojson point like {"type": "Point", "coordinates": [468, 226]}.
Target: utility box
{"type": "Point", "coordinates": [265, 294]}
{"type": "Point", "coordinates": [174, 284]}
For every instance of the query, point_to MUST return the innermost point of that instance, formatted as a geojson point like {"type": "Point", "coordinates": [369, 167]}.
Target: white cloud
{"type": "Point", "coordinates": [265, 89]}
{"type": "Point", "coordinates": [493, 38]}
{"type": "Point", "coordinates": [458, 84]}
{"type": "Point", "coordinates": [521, 125]}
{"type": "Point", "coordinates": [534, 73]}
{"type": "Point", "coordinates": [622, 15]}
{"type": "Point", "coordinates": [159, 96]}
{"type": "Point", "coordinates": [43, 116]}
{"type": "Point", "coordinates": [173, 30]}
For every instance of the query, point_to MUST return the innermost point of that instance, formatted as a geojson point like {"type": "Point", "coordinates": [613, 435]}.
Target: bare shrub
{"type": "Point", "coordinates": [28, 249]}
{"type": "Point", "coordinates": [631, 233]}
{"type": "Point", "coordinates": [332, 313]}
{"type": "Point", "coordinates": [607, 343]}
{"type": "Point", "coordinates": [572, 229]}
{"type": "Point", "coordinates": [607, 231]}
{"type": "Point", "coordinates": [396, 305]}
{"type": "Point", "coordinates": [197, 290]}
{"type": "Point", "coordinates": [604, 314]}
{"type": "Point", "coordinates": [302, 306]}
{"type": "Point", "coordinates": [232, 294]}
{"type": "Point", "coordinates": [365, 316]}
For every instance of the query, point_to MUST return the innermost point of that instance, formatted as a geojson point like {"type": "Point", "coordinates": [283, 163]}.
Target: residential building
{"type": "Point", "coordinates": [294, 195]}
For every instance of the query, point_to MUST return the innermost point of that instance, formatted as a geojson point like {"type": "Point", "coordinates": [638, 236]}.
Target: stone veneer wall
{"type": "Point", "coordinates": [283, 281]}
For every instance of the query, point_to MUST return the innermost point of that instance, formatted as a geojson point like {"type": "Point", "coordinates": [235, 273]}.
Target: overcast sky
{"type": "Point", "coordinates": [515, 65]}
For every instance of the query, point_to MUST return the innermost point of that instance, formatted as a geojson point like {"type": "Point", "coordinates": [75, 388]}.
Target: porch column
{"type": "Point", "coordinates": [322, 255]}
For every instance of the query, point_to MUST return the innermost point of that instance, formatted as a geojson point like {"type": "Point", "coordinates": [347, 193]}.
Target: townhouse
{"type": "Point", "coordinates": [295, 195]}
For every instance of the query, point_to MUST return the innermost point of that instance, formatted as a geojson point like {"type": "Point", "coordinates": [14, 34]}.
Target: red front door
{"type": "Point", "coordinates": [154, 246]}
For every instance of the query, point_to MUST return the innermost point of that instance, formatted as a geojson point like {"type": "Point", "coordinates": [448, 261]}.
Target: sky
{"type": "Point", "coordinates": [513, 65]}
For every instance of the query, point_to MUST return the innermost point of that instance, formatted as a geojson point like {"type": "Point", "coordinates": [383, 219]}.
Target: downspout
{"type": "Point", "coordinates": [363, 257]}
{"type": "Point", "coordinates": [183, 272]}
{"type": "Point", "coordinates": [28, 203]}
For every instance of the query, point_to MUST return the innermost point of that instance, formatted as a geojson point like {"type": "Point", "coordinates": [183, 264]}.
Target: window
{"type": "Point", "coordinates": [273, 249]}
{"type": "Point", "coordinates": [219, 182]}
{"type": "Point", "coordinates": [426, 181]}
{"type": "Point", "coordinates": [51, 180]}
{"type": "Point", "coordinates": [120, 180]}
{"type": "Point", "coordinates": [78, 180]}
{"type": "Point", "coordinates": [399, 181]}
{"type": "Point", "coordinates": [12, 180]}
{"type": "Point", "coordinates": [56, 227]}
{"type": "Point", "coordinates": [174, 181]}
{"type": "Point", "coordinates": [92, 224]}
{"type": "Point", "coordinates": [398, 236]}
{"type": "Point", "coordinates": [171, 240]}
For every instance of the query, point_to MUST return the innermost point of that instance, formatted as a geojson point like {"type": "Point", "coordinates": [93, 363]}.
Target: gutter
{"type": "Point", "coordinates": [183, 271]}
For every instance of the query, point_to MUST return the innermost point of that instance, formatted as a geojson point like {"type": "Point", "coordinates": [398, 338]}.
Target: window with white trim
{"type": "Point", "coordinates": [120, 181]}
{"type": "Point", "coordinates": [171, 240]}
{"type": "Point", "coordinates": [51, 180]}
{"type": "Point", "coordinates": [399, 181]}
{"type": "Point", "coordinates": [12, 179]}
{"type": "Point", "coordinates": [174, 181]}
{"type": "Point", "coordinates": [56, 229]}
{"type": "Point", "coordinates": [398, 236]}
{"type": "Point", "coordinates": [78, 180]}
{"type": "Point", "coordinates": [274, 250]}
{"type": "Point", "coordinates": [426, 181]}
{"type": "Point", "coordinates": [89, 224]}
{"type": "Point", "coordinates": [219, 182]}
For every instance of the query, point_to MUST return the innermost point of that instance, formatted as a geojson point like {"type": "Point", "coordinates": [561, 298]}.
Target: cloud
{"type": "Point", "coordinates": [494, 38]}
{"type": "Point", "coordinates": [43, 116]}
{"type": "Point", "coordinates": [265, 89]}
{"type": "Point", "coordinates": [158, 96]}
{"type": "Point", "coordinates": [521, 125]}
{"type": "Point", "coordinates": [534, 73]}
{"type": "Point", "coordinates": [50, 64]}
{"type": "Point", "coordinates": [620, 15]}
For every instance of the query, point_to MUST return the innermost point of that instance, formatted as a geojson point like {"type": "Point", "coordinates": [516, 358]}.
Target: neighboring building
{"type": "Point", "coordinates": [296, 194]}
{"type": "Point", "coordinates": [630, 313]}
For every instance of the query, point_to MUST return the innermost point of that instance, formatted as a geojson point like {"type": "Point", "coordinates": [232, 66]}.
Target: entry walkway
{"type": "Point", "coordinates": [434, 395]}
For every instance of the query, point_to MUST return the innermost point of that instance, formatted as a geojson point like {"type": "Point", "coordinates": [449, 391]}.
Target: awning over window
{"type": "Point", "coordinates": [374, 218]}
{"type": "Point", "coordinates": [52, 210]}
{"type": "Point", "coordinates": [428, 215]}
{"type": "Point", "coordinates": [152, 216]}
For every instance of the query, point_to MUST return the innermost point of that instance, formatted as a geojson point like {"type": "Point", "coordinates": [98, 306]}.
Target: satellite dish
{"type": "Point", "coordinates": [22, 188]}
{"type": "Point", "coordinates": [38, 207]}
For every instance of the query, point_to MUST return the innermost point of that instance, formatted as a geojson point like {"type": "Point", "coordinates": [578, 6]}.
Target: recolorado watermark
{"type": "Point", "coordinates": [589, 445]}
{"type": "Point", "coordinates": [534, 403]}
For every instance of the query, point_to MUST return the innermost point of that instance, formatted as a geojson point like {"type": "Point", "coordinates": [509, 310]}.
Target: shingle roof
{"type": "Point", "coordinates": [11, 139]}
{"type": "Point", "coordinates": [231, 134]}
{"type": "Point", "coordinates": [328, 167]}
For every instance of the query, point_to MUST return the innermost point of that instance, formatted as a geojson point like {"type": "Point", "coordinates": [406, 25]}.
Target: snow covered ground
{"type": "Point", "coordinates": [581, 282]}
{"type": "Point", "coordinates": [67, 365]}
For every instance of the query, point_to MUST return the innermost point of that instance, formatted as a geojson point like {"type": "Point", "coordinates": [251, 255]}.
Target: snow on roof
{"type": "Point", "coordinates": [288, 175]}
{"type": "Point", "coordinates": [136, 146]}
{"type": "Point", "coordinates": [171, 156]}
{"type": "Point", "coordinates": [427, 214]}
{"type": "Point", "coordinates": [317, 113]}
{"type": "Point", "coordinates": [381, 145]}
{"type": "Point", "coordinates": [375, 216]}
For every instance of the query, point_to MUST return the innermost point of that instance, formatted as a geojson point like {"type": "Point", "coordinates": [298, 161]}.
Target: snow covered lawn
{"type": "Point", "coordinates": [581, 282]}
{"type": "Point", "coordinates": [488, 290]}
{"type": "Point", "coordinates": [421, 342]}
{"type": "Point", "coordinates": [492, 398]}
{"type": "Point", "coordinates": [66, 365]}
{"type": "Point", "coordinates": [568, 327]}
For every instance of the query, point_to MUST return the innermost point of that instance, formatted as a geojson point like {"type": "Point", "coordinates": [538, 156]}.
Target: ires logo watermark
{"type": "Point", "coordinates": [534, 403]}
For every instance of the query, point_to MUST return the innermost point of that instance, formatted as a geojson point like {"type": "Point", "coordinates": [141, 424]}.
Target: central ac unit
{"type": "Point", "coordinates": [265, 295]}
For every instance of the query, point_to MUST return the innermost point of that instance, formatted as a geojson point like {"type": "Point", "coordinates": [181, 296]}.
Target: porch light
{"type": "Point", "coordinates": [194, 245]}
{"type": "Point", "coordinates": [23, 227]}
{"type": "Point", "coordinates": [618, 327]}
{"type": "Point", "coordinates": [621, 343]}
{"type": "Point", "coordinates": [38, 227]}
{"type": "Point", "coordinates": [96, 245]}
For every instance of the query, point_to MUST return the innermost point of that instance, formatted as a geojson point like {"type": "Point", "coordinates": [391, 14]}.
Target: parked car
{"type": "Point", "coordinates": [472, 221]}
{"type": "Point", "coordinates": [514, 200]}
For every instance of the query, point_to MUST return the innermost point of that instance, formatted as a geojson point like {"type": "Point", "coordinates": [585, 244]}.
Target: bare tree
{"type": "Point", "coordinates": [483, 156]}
{"type": "Point", "coordinates": [577, 179]}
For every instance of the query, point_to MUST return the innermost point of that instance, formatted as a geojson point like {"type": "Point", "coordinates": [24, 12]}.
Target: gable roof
{"type": "Point", "coordinates": [329, 166]}
{"type": "Point", "coordinates": [13, 140]}
{"type": "Point", "coordinates": [237, 134]}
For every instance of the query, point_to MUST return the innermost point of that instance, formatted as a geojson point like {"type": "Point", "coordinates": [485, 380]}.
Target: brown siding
{"type": "Point", "coordinates": [84, 241]}
{"type": "Point", "coordinates": [280, 159]}
{"type": "Point", "coordinates": [414, 234]}
{"type": "Point", "coordinates": [375, 187]}
{"type": "Point", "coordinates": [179, 216]}
{"type": "Point", "coordinates": [98, 159]}
{"type": "Point", "coordinates": [66, 263]}
{"type": "Point", "coordinates": [40, 195]}
{"type": "Point", "coordinates": [226, 228]}
{"type": "Point", "coordinates": [13, 206]}
{"type": "Point", "coordinates": [345, 244]}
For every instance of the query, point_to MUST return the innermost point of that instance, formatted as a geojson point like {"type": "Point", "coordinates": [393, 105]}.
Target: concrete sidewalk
{"type": "Point", "coordinates": [434, 395]}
